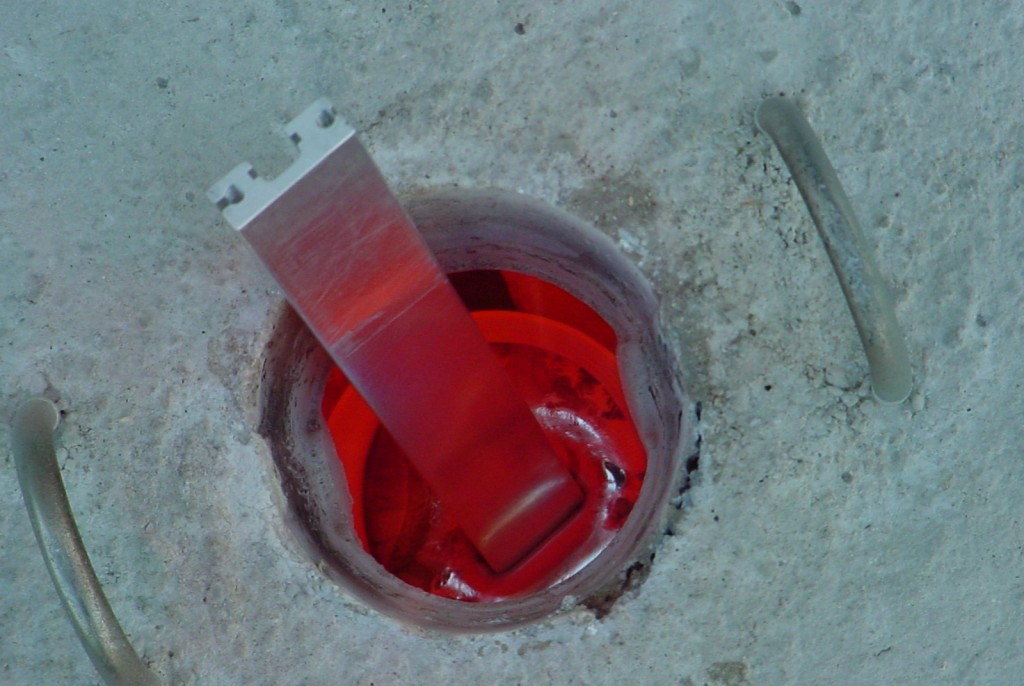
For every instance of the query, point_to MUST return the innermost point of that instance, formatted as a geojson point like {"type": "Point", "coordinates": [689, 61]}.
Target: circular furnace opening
{"type": "Point", "coordinates": [576, 327]}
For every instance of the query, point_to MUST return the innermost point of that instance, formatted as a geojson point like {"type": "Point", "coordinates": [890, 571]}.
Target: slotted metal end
{"type": "Point", "coordinates": [242, 194]}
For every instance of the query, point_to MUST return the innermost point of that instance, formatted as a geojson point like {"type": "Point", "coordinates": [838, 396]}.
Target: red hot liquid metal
{"type": "Point", "coordinates": [559, 355]}
{"type": "Point", "coordinates": [451, 407]}
{"type": "Point", "coordinates": [359, 273]}
{"type": "Point", "coordinates": [460, 439]}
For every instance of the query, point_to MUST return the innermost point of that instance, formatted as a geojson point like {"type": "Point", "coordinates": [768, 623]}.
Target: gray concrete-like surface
{"type": "Point", "coordinates": [827, 539]}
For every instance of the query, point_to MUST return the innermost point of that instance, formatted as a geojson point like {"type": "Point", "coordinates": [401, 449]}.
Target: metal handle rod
{"type": "Point", "coordinates": [866, 294]}
{"type": "Point", "coordinates": [66, 559]}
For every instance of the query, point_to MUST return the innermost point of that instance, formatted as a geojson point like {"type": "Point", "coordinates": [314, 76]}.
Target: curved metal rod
{"type": "Point", "coordinates": [880, 334]}
{"type": "Point", "coordinates": [63, 551]}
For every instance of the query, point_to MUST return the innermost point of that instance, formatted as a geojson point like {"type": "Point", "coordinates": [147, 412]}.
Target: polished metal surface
{"type": "Point", "coordinates": [354, 266]}
{"type": "Point", "coordinates": [317, 134]}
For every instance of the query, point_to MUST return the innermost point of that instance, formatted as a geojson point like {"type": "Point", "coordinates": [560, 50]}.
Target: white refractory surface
{"type": "Point", "coordinates": [826, 538]}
